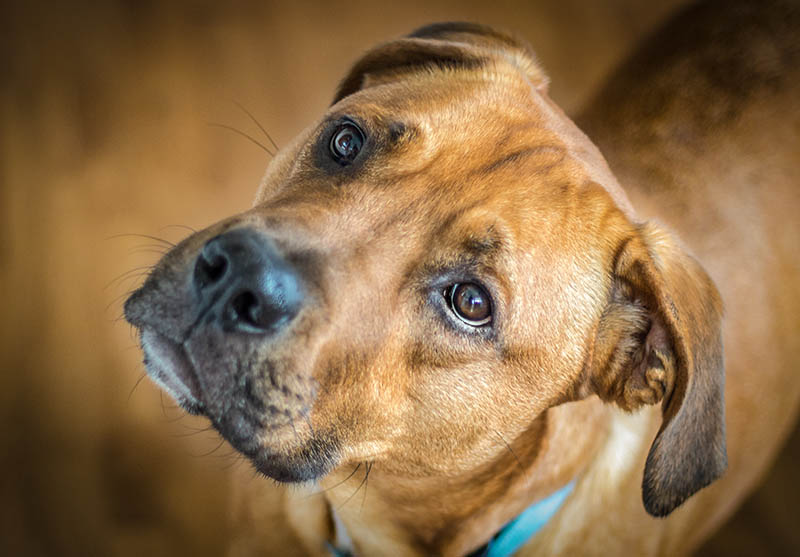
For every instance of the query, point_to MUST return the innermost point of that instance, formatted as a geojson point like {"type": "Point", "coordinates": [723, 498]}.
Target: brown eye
{"type": "Point", "coordinates": [471, 304]}
{"type": "Point", "coordinates": [346, 143]}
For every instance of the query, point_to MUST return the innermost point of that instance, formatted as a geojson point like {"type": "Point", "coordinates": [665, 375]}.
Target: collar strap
{"type": "Point", "coordinates": [513, 535]}
{"type": "Point", "coordinates": [519, 531]}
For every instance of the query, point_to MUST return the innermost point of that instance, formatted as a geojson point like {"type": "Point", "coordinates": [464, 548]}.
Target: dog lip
{"type": "Point", "coordinates": [314, 459]}
{"type": "Point", "coordinates": [169, 366]}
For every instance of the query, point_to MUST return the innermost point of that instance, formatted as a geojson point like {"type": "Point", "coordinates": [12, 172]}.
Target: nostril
{"type": "Point", "coordinates": [243, 285]}
{"type": "Point", "coordinates": [246, 311]}
{"type": "Point", "coordinates": [247, 308]}
{"type": "Point", "coordinates": [209, 269]}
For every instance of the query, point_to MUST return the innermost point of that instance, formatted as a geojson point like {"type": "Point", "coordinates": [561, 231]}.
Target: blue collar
{"type": "Point", "coordinates": [516, 533]}
{"type": "Point", "coordinates": [519, 531]}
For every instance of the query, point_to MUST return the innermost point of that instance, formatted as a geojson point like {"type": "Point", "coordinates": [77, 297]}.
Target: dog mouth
{"type": "Point", "coordinates": [169, 366]}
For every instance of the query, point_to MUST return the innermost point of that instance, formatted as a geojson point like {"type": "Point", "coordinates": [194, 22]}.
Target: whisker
{"type": "Point", "coordinates": [516, 458]}
{"type": "Point", "coordinates": [182, 416]}
{"type": "Point", "coordinates": [194, 429]}
{"type": "Point", "coordinates": [257, 123]}
{"type": "Point", "coordinates": [366, 475]}
{"type": "Point", "coordinates": [243, 134]}
{"type": "Point", "coordinates": [117, 300]}
{"type": "Point", "coordinates": [184, 226]}
{"type": "Point", "coordinates": [133, 330]}
{"type": "Point", "coordinates": [173, 407]}
{"type": "Point", "coordinates": [350, 475]}
{"type": "Point", "coordinates": [231, 453]}
{"type": "Point", "coordinates": [135, 272]}
{"type": "Point", "coordinates": [236, 459]}
{"type": "Point", "coordinates": [193, 432]}
{"type": "Point", "coordinates": [366, 485]}
{"type": "Point", "coordinates": [135, 385]}
{"type": "Point", "coordinates": [212, 451]}
{"type": "Point", "coordinates": [145, 249]}
{"type": "Point", "coordinates": [162, 247]}
{"type": "Point", "coordinates": [146, 236]}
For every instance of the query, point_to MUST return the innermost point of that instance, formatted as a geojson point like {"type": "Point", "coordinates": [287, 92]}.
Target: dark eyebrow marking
{"type": "Point", "coordinates": [445, 223]}
{"type": "Point", "coordinates": [400, 132]}
{"type": "Point", "coordinates": [484, 246]}
{"type": "Point", "coordinates": [396, 131]}
{"type": "Point", "coordinates": [552, 155]}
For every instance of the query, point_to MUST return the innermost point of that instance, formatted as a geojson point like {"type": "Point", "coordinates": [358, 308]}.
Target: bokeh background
{"type": "Point", "coordinates": [107, 114]}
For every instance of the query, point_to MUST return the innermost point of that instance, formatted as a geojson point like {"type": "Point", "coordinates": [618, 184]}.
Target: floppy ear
{"type": "Point", "coordinates": [659, 340]}
{"type": "Point", "coordinates": [442, 46]}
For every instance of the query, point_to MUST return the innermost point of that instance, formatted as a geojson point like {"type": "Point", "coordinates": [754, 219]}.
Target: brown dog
{"type": "Point", "coordinates": [443, 298]}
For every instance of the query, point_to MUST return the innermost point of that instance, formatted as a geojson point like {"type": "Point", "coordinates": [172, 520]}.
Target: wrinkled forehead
{"type": "Point", "coordinates": [457, 116]}
{"type": "Point", "coordinates": [448, 143]}
{"type": "Point", "coordinates": [493, 115]}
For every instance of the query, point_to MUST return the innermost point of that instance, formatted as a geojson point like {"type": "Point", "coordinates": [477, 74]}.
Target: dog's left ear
{"type": "Point", "coordinates": [442, 46]}
{"type": "Point", "coordinates": [660, 340]}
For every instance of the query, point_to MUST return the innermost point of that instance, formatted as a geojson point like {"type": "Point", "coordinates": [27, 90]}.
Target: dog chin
{"type": "Point", "coordinates": [314, 459]}
{"type": "Point", "coordinates": [170, 367]}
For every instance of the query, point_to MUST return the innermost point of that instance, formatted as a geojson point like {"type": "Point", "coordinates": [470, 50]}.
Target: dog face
{"type": "Point", "coordinates": [427, 270]}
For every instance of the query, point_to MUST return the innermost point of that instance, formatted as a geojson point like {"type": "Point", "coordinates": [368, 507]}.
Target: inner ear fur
{"type": "Point", "coordinates": [454, 46]}
{"type": "Point", "coordinates": [660, 340]}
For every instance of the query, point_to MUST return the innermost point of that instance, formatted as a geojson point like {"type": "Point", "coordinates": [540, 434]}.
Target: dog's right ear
{"type": "Point", "coordinates": [660, 341]}
{"type": "Point", "coordinates": [442, 46]}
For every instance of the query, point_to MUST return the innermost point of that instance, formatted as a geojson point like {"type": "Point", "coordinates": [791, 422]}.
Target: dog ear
{"type": "Point", "coordinates": [659, 340]}
{"type": "Point", "coordinates": [454, 46]}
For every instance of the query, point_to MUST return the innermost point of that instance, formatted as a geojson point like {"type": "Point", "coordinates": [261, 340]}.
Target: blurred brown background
{"type": "Point", "coordinates": [104, 131]}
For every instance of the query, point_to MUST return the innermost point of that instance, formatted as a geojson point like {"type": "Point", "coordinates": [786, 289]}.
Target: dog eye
{"type": "Point", "coordinates": [346, 143]}
{"type": "Point", "coordinates": [470, 303]}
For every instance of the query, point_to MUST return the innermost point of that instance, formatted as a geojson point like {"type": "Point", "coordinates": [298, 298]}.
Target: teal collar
{"type": "Point", "coordinates": [519, 531]}
{"type": "Point", "coordinates": [515, 534]}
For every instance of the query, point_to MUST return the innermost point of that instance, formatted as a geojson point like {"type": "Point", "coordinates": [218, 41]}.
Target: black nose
{"type": "Point", "coordinates": [244, 285]}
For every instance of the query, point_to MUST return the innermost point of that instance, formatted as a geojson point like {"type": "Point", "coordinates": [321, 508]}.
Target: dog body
{"type": "Point", "coordinates": [709, 147]}
{"type": "Point", "coordinates": [444, 304]}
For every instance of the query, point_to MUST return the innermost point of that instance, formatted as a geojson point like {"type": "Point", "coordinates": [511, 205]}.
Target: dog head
{"type": "Point", "coordinates": [443, 256]}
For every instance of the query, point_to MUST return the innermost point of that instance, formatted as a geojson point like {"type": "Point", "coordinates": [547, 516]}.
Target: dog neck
{"type": "Point", "coordinates": [387, 513]}
{"type": "Point", "coordinates": [504, 543]}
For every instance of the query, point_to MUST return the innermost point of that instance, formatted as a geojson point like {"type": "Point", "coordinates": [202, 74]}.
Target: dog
{"type": "Point", "coordinates": [443, 298]}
